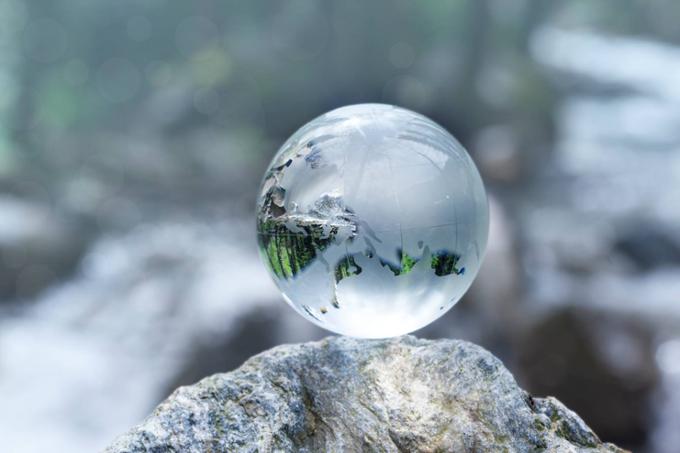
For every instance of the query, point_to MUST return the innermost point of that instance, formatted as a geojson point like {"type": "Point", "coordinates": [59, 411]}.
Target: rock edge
{"type": "Point", "coordinates": [344, 395]}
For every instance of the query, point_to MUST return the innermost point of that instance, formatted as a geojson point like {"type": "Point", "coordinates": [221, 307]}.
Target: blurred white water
{"type": "Point", "coordinates": [93, 356]}
{"type": "Point", "coordinates": [616, 163]}
{"type": "Point", "coordinates": [635, 64]}
{"type": "Point", "coordinates": [606, 237]}
{"type": "Point", "coordinates": [618, 128]}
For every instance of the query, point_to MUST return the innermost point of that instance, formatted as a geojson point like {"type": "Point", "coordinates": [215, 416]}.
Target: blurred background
{"type": "Point", "coordinates": [133, 136]}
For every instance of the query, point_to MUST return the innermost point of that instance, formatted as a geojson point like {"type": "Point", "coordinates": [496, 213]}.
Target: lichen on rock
{"type": "Point", "coordinates": [347, 395]}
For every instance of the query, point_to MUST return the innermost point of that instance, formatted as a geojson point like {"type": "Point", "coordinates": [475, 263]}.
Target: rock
{"type": "Point", "coordinates": [343, 394]}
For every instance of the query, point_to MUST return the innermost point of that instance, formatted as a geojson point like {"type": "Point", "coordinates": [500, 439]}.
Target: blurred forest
{"type": "Point", "coordinates": [133, 136]}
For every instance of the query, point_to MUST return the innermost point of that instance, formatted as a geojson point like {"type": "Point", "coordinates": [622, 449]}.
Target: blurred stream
{"type": "Point", "coordinates": [602, 230]}
{"type": "Point", "coordinates": [94, 354]}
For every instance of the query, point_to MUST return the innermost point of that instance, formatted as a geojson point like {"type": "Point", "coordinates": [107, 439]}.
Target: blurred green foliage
{"type": "Point", "coordinates": [188, 100]}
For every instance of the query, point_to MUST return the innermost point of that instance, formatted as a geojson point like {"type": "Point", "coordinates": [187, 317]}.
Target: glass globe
{"type": "Point", "coordinates": [372, 220]}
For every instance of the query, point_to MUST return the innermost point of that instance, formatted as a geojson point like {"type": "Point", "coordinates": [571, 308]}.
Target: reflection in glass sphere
{"type": "Point", "coordinates": [372, 220]}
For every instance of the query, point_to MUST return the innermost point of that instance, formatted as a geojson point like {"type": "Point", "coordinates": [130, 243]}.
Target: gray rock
{"type": "Point", "coordinates": [346, 395]}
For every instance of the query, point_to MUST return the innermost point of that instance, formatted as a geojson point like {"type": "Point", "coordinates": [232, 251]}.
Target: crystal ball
{"type": "Point", "coordinates": [372, 220]}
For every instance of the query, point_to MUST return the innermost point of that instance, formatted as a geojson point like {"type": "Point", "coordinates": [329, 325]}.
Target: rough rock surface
{"type": "Point", "coordinates": [347, 395]}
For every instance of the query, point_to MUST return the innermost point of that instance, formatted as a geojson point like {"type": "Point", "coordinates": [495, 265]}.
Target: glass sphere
{"type": "Point", "coordinates": [372, 220]}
